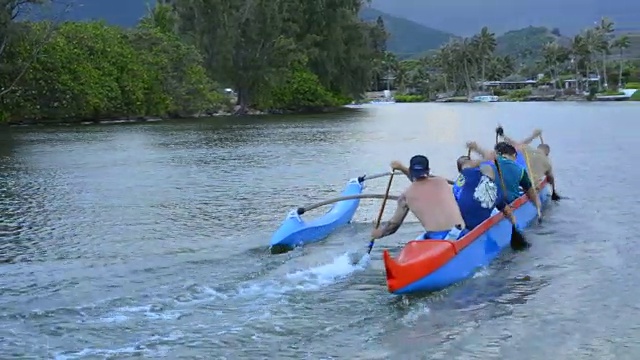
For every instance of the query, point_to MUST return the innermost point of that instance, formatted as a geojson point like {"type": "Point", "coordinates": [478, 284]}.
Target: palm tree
{"type": "Point", "coordinates": [601, 40]}
{"type": "Point", "coordinates": [389, 66]}
{"type": "Point", "coordinates": [402, 75]}
{"type": "Point", "coordinates": [621, 44]}
{"type": "Point", "coordinates": [485, 44]}
{"type": "Point", "coordinates": [467, 54]}
{"type": "Point", "coordinates": [550, 56]}
{"type": "Point", "coordinates": [591, 43]}
{"type": "Point", "coordinates": [446, 62]}
{"type": "Point", "coordinates": [579, 49]}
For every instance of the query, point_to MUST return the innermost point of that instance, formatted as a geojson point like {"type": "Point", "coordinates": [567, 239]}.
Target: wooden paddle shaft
{"type": "Point", "coordinates": [302, 210]}
{"type": "Point", "coordinates": [384, 201]}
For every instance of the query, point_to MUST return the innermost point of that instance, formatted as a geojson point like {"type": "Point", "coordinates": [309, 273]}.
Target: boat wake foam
{"type": "Point", "coordinates": [310, 279]}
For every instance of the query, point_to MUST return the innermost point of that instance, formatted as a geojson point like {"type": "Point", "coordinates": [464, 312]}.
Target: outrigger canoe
{"type": "Point", "coordinates": [427, 265]}
{"type": "Point", "coordinates": [295, 231]}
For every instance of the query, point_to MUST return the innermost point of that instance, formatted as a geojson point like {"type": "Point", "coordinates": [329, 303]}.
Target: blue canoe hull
{"type": "Point", "coordinates": [295, 231]}
{"type": "Point", "coordinates": [477, 254]}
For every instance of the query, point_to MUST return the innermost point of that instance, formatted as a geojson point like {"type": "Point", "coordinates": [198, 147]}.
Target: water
{"type": "Point", "coordinates": [150, 240]}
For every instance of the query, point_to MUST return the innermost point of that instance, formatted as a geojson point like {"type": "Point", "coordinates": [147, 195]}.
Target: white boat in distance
{"type": "Point", "coordinates": [484, 98]}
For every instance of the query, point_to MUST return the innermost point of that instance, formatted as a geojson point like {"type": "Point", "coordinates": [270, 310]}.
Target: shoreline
{"type": "Point", "coordinates": [151, 119]}
{"type": "Point", "coordinates": [465, 100]}
{"type": "Point", "coordinates": [257, 113]}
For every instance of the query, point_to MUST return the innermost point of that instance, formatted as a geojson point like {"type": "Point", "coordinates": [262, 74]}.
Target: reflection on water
{"type": "Point", "coordinates": [443, 121]}
{"type": "Point", "coordinates": [150, 240]}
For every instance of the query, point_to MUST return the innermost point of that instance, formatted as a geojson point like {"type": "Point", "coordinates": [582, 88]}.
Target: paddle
{"type": "Point", "coordinates": [518, 241]}
{"type": "Point", "coordinates": [384, 203]}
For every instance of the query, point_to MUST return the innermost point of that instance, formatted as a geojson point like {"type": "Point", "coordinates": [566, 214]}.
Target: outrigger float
{"type": "Point", "coordinates": [427, 265]}
{"type": "Point", "coordinates": [295, 231]}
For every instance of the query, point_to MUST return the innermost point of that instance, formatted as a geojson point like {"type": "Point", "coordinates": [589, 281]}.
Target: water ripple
{"type": "Point", "coordinates": [150, 241]}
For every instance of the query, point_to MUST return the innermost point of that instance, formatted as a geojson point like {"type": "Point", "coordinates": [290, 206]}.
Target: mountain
{"type": "Point", "coordinates": [466, 17]}
{"type": "Point", "coordinates": [407, 38]}
{"type": "Point", "coordinates": [528, 42]}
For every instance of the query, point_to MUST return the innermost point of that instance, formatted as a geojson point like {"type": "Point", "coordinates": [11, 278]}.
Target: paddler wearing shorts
{"type": "Point", "coordinates": [510, 175]}
{"type": "Point", "coordinates": [430, 199]}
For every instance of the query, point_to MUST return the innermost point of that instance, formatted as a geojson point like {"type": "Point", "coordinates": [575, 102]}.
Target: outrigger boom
{"type": "Point", "coordinates": [294, 231]}
{"type": "Point", "coordinates": [302, 210]}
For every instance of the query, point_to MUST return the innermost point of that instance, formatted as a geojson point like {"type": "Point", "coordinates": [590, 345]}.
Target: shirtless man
{"type": "Point", "coordinates": [430, 199]}
{"type": "Point", "coordinates": [539, 158]}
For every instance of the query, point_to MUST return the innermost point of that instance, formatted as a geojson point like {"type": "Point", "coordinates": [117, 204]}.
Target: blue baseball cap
{"type": "Point", "coordinates": [419, 167]}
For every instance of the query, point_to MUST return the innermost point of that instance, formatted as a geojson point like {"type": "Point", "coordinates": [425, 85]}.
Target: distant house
{"type": "Point", "coordinates": [571, 83]}
{"type": "Point", "coordinates": [509, 85]}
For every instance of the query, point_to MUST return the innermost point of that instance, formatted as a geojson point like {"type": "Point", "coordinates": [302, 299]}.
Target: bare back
{"type": "Point", "coordinates": [431, 201]}
{"type": "Point", "coordinates": [540, 163]}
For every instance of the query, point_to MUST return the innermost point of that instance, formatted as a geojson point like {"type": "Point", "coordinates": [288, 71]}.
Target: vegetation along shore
{"type": "Point", "coordinates": [532, 64]}
{"type": "Point", "coordinates": [277, 56]}
{"type": "Point", "coordinates": [280, 56]}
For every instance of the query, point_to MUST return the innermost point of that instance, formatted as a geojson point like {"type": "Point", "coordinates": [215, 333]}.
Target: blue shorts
{"type": "Point", "coordinates": [440, 235]}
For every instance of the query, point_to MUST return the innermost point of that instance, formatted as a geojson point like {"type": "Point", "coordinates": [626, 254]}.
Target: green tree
{"type": "Point", "coordinates": [602, 44]}
{"type": "Point", "coordinates": [622, 43]}
{"type": "Point", "coordinates": [92, 71]}
{"type": "Point", "coordinates": [12, 31]}
{"type": "Point", "coordinates": [553, 55]}
{"type": "Point", "coordinates": [485, 45]}
{"type": "Point", "coordinates": [252, 44]}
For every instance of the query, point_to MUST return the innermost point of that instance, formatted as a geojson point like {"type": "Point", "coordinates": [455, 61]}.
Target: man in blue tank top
{"type": "Point", "coordinates": [478, 193]}
{"type": "Point", "coordinates": [458, 183]}
{"type": "Point", "coordinates": [509, 175]}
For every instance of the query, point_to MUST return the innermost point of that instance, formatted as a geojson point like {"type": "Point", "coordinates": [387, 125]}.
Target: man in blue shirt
{"type": "Point", "coordinates": [510, 176]}
{"type": "Point", "coordinates": [478, 194]}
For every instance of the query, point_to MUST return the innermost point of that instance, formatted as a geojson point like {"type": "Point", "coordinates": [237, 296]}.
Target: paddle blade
{"type": "Point", "coordinates": [364, 261]}
{"type": "Point", "coordinates": [371, 246]}
{"type": "Point", "coordinates": [518, 242]}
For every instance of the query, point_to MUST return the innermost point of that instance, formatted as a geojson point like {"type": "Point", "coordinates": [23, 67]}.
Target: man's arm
{"type": "Point", "coordinates": [527, 186]}
{"type": "Point", "coordinates": [486, 154]}
{"type": "Point", "coordinates": [396, 220]}
{"type": "Point", "coordinates": [526, 141]}
{"type": "Point", "coordinates": [397, 165]}
{"type": "Point", "coordinates": [515, 144]}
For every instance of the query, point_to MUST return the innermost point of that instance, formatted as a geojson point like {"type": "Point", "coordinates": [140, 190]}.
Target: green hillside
{"type": "Point", "coordinates": [407, 38]}
{"type": "Point", "coordinates": [526, 44]}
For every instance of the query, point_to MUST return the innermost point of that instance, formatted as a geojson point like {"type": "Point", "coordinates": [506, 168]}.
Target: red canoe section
{"type": "Point", "coordinates": [417, 259]}
{"type": "Point", "coordinates": [420, 258]}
